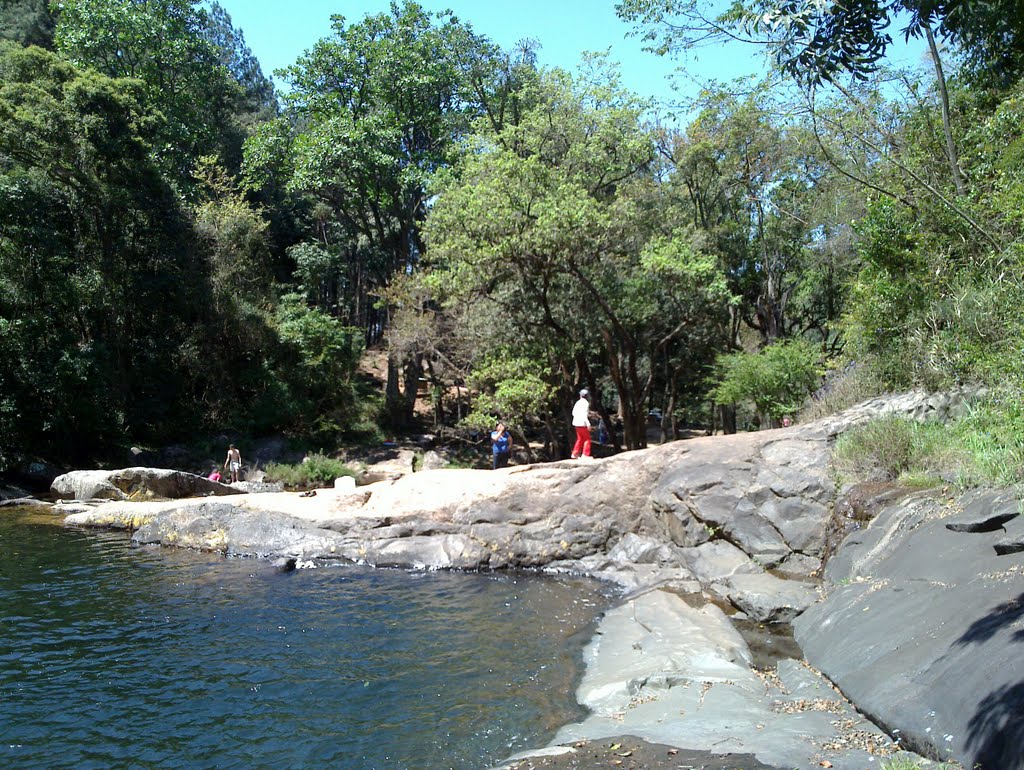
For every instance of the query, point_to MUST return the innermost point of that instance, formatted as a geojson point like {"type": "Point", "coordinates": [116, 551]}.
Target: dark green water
{"type": "Point", "coordinates": [116, 657]}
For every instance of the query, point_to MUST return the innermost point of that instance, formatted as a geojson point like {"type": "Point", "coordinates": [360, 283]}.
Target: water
{"type": "Point", "coordinates": [113, 656]}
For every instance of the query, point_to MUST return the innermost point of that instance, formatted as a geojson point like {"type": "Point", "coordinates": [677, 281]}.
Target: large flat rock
{"type": "Point", "coordinates": [924, 630]}
{"type": "Point", "coordinates": [670, 673]}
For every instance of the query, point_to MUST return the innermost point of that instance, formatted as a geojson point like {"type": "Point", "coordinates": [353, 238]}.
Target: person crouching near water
{"type": "Point", "coordinates": [501, 446]}
{"type": "Point", "coordinates": [581, 423]}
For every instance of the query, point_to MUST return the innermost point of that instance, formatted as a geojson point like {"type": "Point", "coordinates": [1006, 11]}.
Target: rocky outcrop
{"type": "Point", "coordinates": [135, 484]}
{"type": "Point", "coordinates": [769, 496]}
{"type": "Point", "coordinates": [672, 673]}
{"type": "Point", "coordinates": [923, 626]}
{"type": "Point", "coordinates": [727, 517]}
{"type": "Point", "coordinates": [216, 526]}
{"type": "Point", "coordinates": [704, 510]}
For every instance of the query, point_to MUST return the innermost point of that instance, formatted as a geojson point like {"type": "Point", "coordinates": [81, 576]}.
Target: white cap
{"type": "Point", "coordinates": [584, 393]}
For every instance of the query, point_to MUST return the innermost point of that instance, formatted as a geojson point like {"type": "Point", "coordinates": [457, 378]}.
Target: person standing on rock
{"type": "Point", "coordinates": [501, 446]}
{"type": "Point", "coordinates": [581, 424]}
{"type": "Point", "coordinates": [233, 463]}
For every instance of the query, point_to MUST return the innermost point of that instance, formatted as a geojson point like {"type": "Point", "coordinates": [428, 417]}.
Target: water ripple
{"type": "Point", "coordinates": [119, 657]}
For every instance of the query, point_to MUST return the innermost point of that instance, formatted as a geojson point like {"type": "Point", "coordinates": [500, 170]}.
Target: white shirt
{"type": "Point", "coordinates": [581, 414]}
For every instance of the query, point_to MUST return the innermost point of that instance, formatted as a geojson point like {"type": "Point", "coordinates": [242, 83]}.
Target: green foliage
{"type": "Point", "coordinates": [163, 44]}
{"type": "Point", "coordinates": [984, 447]}
{"type": "Point", "coordinates": [316, 470]}
{"type": "Point", "coordinates": [28, 22]}
{"type": "Point", "coordinates": [320, 362]}
{"type": "Point", "coordinates": [552, 222]}
{"type": "Point", "coordinates": [889, 447]}
{"type": "Point", "coordinates": [510, 389]}
{"type": "Point", "coordinates": [98, 277]}
{"type": "Point", "coordinates": [777, 379]}
{"type": "Point", "coordinates": [846, 384]}
{"type": "Point", "coordinates": [817, 42]}
{"type": "Point", "coordinates": [992, 437]}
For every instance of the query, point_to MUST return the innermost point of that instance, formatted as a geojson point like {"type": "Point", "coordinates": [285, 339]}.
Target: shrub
{"type": "Point", "coordinates": [315, 470]}
{"type": "Point", "coordinates": [992, 437]}
{"type": "Point", "coordinates": [778, 379]}
{"type": "Point", "coordinates": [843, 388]}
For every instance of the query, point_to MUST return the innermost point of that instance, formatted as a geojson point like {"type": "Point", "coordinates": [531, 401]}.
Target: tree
{"type": "Point", "coordinates": [29, 22]}
{"type": "Point", "coordinates": [816, 42]}
{"type": "Point", "coordinates": [777, 379]}
{"type": "Point", "coordinates": [552, 221]}
{"type": "Point", "coordinates": [372, 113]}
{"type": "Point", "coordinates": [99, 279]}
{"type": "Point", "coordinates": [189, 92]}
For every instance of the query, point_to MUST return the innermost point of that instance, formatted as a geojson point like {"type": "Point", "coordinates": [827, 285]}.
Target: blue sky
{"type": "Point", "coordinates": [279, 34]}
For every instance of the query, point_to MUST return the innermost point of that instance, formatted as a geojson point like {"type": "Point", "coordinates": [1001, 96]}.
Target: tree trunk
{"type": "Point", "coordinates": [392, 393]}
{"type": "Point", "coordinates": [727, 413]}
{"type": "Point", "coordinates": [947, 129]}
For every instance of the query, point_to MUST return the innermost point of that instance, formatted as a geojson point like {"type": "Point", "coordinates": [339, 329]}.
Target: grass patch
{"type": "Point", "coordinates": [894, 447]}
{"type": "Point", "coordinates": [992, 436]}
{"type": "Point", "coordinates": [316, 470]}
{"type": "Point", "coordinates": [983, 448]}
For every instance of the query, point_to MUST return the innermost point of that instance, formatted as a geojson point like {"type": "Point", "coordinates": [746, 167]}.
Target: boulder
{"type": "Point", "coordinates": [136, 484]}
{"type": "Point", "coordinates": [766, 598]}
{"type": "Point", "coordinates": [345, 483]}
{"type": "Point", "coordinates": [23, 502]}
{"type": "Point", "coordinates": [1013, 540]}
{"type": "Point", "coordinates": [11, 492]}
{"type": "Point", "coordinates": [984, 511]}
{"type": "Point", "coordinates": [766, 493]}
{"type": "Point", "coordinates": [284, 564]}
{"type": "Point", "coordinates": [432, 461]}
{"type": "Point", "coordinates": [216, 526]}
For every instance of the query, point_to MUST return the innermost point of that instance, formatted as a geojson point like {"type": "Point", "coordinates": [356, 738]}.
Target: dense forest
{"type": "Point", "coordinates": [186, 251]}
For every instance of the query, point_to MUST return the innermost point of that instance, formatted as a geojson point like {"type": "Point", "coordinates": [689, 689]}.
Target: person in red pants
{"type": "Point", "coordinates": [581, 422]}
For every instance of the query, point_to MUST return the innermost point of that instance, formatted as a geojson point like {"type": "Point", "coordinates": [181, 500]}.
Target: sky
{"type": "Point", "coordinates": [564, 29]}
{"type": "Point", "coordinates": [278, 35]}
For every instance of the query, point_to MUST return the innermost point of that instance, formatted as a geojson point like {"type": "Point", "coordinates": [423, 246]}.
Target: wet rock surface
{"type": "Point", "coordinates": [628, 752]}
{"type": "Point", "coordinates": [670, 673]}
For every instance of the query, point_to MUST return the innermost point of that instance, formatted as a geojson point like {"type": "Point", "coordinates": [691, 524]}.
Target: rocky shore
{"type": "Point", "coordinates": [915, 619]}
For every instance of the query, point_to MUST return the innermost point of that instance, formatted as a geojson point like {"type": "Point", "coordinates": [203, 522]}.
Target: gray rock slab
{"type": "Point", "coordinates": [713, 562]}
{"type": "Point", "coordinates": [216, 526]}
{"type": "Point", "coordinates": [24, 502]}
{"type": "Point", "coordinates": [136, 484]}
{"type": "Point", "coordinates": [926, 633]}
{"type": "Point", "coordinates": [766, 598]}
{"type": "Point", "coordinates": [1012, 540]}
{"type": "Point", "coordinates": [985, 512]}
{"type": "Point", "coordinates": [11, 492]}
{"type": "Point", "coordinates": [671, 673]}
{"type": "Point", "coordinates": [638, 752]}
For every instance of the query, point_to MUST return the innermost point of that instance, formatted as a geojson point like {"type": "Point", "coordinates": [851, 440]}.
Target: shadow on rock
{"type": "Point", "coordinates": [996, 731]}
{"type": "Point", "coordinates": [1008, 613]}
